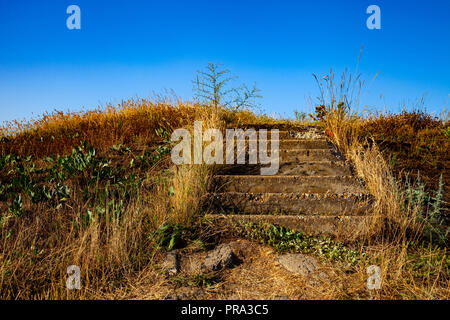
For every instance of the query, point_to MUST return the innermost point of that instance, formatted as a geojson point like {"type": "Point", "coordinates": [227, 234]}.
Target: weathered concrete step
{"type": "Point", "coordinates": [309, 155]}
{"type": "Point", "coordinates": [291, 203]}
{"type": "Point", "coordinates": [294, 155]}
{"type": "Point", "coordinates": [299, 134]}
{"type": "Point", "coordinates": [332, 226]}
{"type": "Point", "coordinates": [289, 144]}
{"type": "Point", "coordinates": [288, 135]}
{"type": "Point", "coordinates": [289, 184]}
{"type": "Point", "coordinates": [311, 168]}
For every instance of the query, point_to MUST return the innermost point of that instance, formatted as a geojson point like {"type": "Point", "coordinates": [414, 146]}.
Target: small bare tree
{"type": "Point", "coordinates": [213, 86]}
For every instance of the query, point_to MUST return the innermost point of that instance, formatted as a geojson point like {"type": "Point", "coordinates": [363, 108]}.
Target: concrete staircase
{"type": "Point", "coordinates": [314, 190]}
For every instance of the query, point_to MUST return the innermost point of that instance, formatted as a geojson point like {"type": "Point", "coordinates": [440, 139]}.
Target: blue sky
{"type": "Point", "coordinates": [134, 48]}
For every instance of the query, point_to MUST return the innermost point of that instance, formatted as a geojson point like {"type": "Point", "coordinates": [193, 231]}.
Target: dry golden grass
{"type": "Point", "coordinates": [132, 121]}
{"type": "Point", "coordinates": [413, 143]}
{"type": "Point", "coordinates": [395, 228]}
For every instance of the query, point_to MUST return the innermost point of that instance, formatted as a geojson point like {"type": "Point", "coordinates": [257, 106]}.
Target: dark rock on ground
{"type": "Point", "coordinates": [220, 258]}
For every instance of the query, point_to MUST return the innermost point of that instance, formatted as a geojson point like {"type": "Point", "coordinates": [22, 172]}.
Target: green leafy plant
{"type": "Point", "coordinates": [428, 259]}
{"type": "Point", "coordinates": [162, 133]}
{"type": "Point", "coordinates": [16, 207]}
{"type": "Point", "coordinates": [446, 132]}
{"type": "Point", "coordinates": [120, 148]}
{"type": "Point", "coordinates": [430, 208]}
{"type": "Point", "coordinates": [283, 239]}
{"type": "Point", "coordinates": [87, 218]}
{"type": "Point", "coordinates": [169, 235]}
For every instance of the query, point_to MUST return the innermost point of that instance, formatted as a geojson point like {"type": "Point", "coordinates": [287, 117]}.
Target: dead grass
{"type": "Point", "coordinates": [132, 121]}
{"type": "Point", "coordinates": [413, 143]}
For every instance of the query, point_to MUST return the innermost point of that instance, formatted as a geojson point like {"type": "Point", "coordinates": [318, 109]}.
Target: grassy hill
{"type": "Point", "coordinates": [97, 189]}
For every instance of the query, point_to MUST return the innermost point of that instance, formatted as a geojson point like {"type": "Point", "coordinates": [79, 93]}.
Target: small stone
{"type": "Point", "coordinates": [171, 263]}
{"type": "Point", "coordinates": [220, 258]}
{"type": "Point", "coordinates": [299, 263]}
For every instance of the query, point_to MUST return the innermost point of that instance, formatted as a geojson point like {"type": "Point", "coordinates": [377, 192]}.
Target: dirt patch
{"type": "Point", "coordinates": [256, 273]}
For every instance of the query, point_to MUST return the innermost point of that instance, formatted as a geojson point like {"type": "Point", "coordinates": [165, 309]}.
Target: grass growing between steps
{"type": "Point", "coordinates": [286, 240]}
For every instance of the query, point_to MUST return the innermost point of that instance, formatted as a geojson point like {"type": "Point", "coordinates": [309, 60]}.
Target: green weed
{"type": "Point", "coordinates": [283, 240]}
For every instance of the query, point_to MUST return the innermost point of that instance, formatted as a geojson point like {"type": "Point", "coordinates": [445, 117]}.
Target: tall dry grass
{"type": "Point", "coordinates": [58, 132]}
{"type": "Point", "coordinates": [394, 228]}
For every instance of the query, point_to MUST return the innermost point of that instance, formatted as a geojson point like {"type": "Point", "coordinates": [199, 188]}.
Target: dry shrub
{"type": "Point", "coordinates": [185, 184]}
{"type": "Point", "coordinates": [413, 142]}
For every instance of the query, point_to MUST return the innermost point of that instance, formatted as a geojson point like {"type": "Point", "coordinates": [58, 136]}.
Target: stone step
{"type": "Point", "coordinates": [294, 155]}
{"type": "Point", "coordinates": [305, 134]}
{"type": "Point", "coordinates": [291, 203]}
{"type": "Point", "coordinates": [289, 184]}
{"type": "Point", "coordinates": [290, 144]}
{"type": "Point", "coordinates": [312, 168]}
{"type": "Point", "coordinates": [309, 155]}
{"type": "Point", "coordinates": [332, 226]}
{"type": "Point", "coordinates": [293, 134]}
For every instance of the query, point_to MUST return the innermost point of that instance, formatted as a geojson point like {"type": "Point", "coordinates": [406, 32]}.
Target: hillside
{"type": "Point", "coordinates": [98, 190]}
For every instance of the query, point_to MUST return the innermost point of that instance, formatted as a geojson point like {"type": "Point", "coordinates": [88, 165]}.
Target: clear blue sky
{"type": "Point", "coordinates": [133, 48]}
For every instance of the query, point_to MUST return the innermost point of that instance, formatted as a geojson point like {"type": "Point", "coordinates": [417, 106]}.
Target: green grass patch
{"type": "Point", "coordinates": [286, 240]}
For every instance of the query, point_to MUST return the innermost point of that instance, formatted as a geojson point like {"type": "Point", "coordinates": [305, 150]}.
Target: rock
{"type": "Point", "coordinates": [299, 263]}
{"type": "Point", "coordinates": [223, 256]}
{"type": "Point", "coordinates": [171, 263]}
{"type": "Point", "coordinates": [219, 258]}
